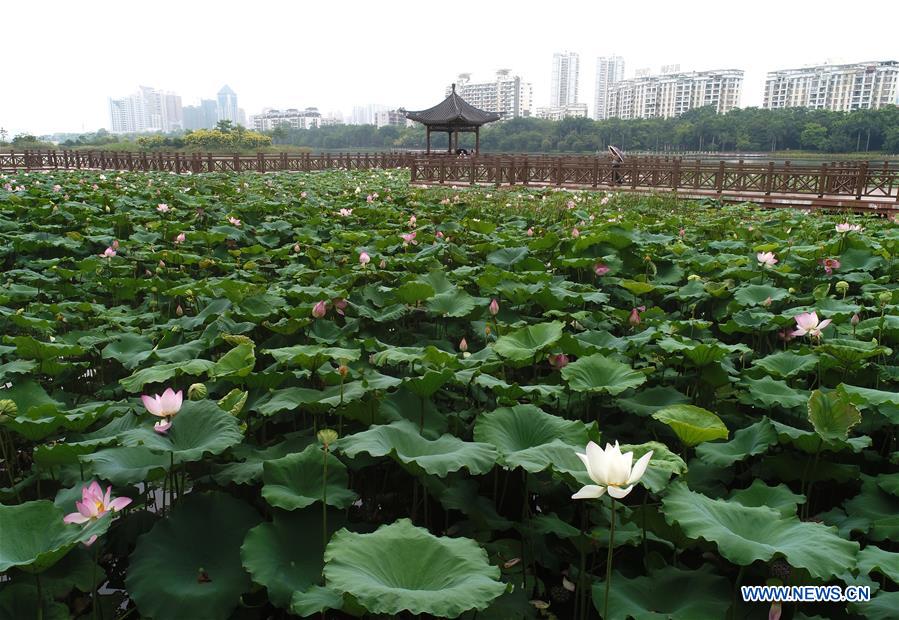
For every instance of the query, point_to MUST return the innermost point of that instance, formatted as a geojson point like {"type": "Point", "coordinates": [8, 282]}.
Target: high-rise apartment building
{"type": "Point", "coordinates": [366, 114]}
{"type": "Point", "coordinates": [148, 109]}
{"type": "Point", "coordinates": [572, 110]}
{"type": "Point", "coordinates": [609, 70]}
{"type": "Point", "coordinates": [564, 88]}
{"type": "Point", "coordinates": [203, 116]}
{"type": "Point", "coordinates": [508, 95]}
{"type": "Point", "coordinates": [673, 94]}
{"type": "Point", "coordinates": [843, 88]}
{"type": "Point", "coordinates": [227, 105]}
{"type": "Point", "coordinates": [293, 118]}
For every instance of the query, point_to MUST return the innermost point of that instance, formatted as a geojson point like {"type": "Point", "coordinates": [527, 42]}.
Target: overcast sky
{"type": "Point", "coordinates": [71, 56]}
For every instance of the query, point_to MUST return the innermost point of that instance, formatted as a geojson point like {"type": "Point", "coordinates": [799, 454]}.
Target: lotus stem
{"type": "Point", "coordinates": [325, 500]}
{"type": "Point", "coordinates": [40, 597]}
{"type": "Point", "coordinates": [605, 606]}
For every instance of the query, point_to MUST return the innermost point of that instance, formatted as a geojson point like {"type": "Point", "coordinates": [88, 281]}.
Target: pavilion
{"type": "Point", "coordinates": [454, 115]}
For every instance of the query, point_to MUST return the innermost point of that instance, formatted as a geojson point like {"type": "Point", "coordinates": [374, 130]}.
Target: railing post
{"type": "Point", "coordinates": [283, 161]}
{"type": "Point", "coordinates": [177, 163]}
{"type": "Point", "coordinates": [675, 173]}
{"type": "Point", "coordinates": [861, 181]}
{"type": "Point", "coordinates": [471, 171]}
{"type": "Point", "coordinates": [414, 172]}
{"type": "Point", "coordinates": [719, 177]}
{"type": "Point", "coordinates": [595, 172]}
{"type": "Point", "coordinates": [769, 178]}
{"type": "Point", "coordinates": [525, 171]}
{"type": "Point", "coordinates": [634, 173]}
{"type": "Point", "coordinates": [236, 162]}
{"type": "Point", "coordinates": [442, 171]}
{"type": "Point", "coordinates": [513, 171]}
{"type": "Point", "coordinates": [559, 172]}
{"type": "Point", "coordinates": [260, 162]}
{"type": "Point", "coordinates": [822, 180]}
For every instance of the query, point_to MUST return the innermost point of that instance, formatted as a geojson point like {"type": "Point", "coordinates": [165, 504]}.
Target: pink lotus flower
{"type": "Point", "coordinates": [829, 265]}
{"type": "Point", "coordinates": [575, 233]}
{"type": "Point", "coordinates": [530, 232]}
{"type": "Point", "coordinates": [766, 258]}
{"type": "Point", "coordinates": [369, 198]}
{"type": "Point", "coordinates": [57, 188]}
{"type": "Point", "coordinates": [600, 269]}
{"type": "Point", "coordinates": [94, 504]}
{"type": "Point", "coordinates": [340, 305]}
{"type": "Point", "coordinates": [364, 258]}
{"type": "Point", "coordinates": [180, 238]}
{"type": "Point", "coordinates": [634, 318]}
{"type": "Point", "coordinates": [302, 194]}
{"type": "Point", "coordinates": [807, 323]}
{"type": "Point", "coordinates": [493, 307]}
{"type": "Point", "coordinates": [412, 221]}
{"type": "Point", "coordinates": [409, 238]}
{"type": "Point", "coordinates": [681, 233]}
{"type": "Point", "coordinates": [108, 253]}
{"type": "Point", "coordinates": [463, 345]}
{"type": "Point", "coordinates": [439, 234]}
{"type": "Point", "coordinates": [320, 309]}
{"type": "Point", "coordinates": [604, 201]}
{"type": "Point", "coordinates": [163, 426]}
{"type": "Point", "coordinates": [345, 212]}
{"type": "Point", "coordinates": [558, 361]}
{"type": "Point", "coordinates": [570, 204]}
{"type": "Point", "coordinates": [165, 406]}
{"type": "Point", "coordinates": [234, 221]}
{"type": "Point", "coordinates": [162, 207]}
{"type": "Point", "coordinates": [847, 227]}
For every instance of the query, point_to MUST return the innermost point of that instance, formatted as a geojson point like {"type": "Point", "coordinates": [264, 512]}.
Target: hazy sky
{"type": "Point", "coordinates": [333, 54]}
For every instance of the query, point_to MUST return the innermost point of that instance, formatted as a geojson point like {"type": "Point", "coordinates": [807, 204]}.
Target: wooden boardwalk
{"type": "Point", "coordinates": [857, 186]}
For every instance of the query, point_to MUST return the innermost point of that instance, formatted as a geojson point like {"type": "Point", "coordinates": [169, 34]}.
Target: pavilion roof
{"type": "Point", "coordinates": [453, 111]}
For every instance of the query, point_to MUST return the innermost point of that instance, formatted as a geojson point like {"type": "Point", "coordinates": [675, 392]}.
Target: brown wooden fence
{"type": "Point", "coordinates": [872, 185]}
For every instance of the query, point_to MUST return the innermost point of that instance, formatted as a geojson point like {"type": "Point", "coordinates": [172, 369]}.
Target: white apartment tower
{"type": "Point", "coordinates": [564, 89]}
{"type": "Point", "coordinates": [148, 109]}
{"type": "Point", "coordinates": [672, 94]}
{"type": "Point", "coordinates": [227, 105]}
{"type": "Point", "coordinates": [609, 70]}
{"type": "Point", "coordinates": [843, 88]}
{"type": "Point", "coordinates": [508, 95]}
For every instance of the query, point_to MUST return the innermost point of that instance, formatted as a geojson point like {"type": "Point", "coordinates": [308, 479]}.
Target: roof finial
{"type": "Point", "coordinates": [454, 87]}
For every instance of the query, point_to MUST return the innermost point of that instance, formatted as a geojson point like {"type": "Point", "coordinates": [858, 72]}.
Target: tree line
{"type": "Point", "coordinates": [701, 129]}
{"type": "Point", "coordinates": [740, 130]}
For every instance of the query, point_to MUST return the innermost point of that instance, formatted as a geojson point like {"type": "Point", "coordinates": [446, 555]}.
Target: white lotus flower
{"type": "Point", "coordinates": [611, 470]}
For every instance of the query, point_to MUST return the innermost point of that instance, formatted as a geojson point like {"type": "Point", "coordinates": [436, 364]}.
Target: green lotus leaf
{"type": "Point", "coordinates": [414, 292]}
{"type": "Point", "coordinates": [753, 440]}
{"type": "Point", "coordinates": [526, 343]}
{"type": "Point", "coordinates": [21, 600]}
{"type": "Point", "coordinates": [882, 606]}
{"type": "Point", "coordinates": [188, 565]}
{"type": "Point", "coordinates": [832, 415]}
{"type": "Point", "coordinates": [745, 534]}
{"type": "Point", "coordinates": [249, 468]}
{"type": "Point", "coordinates": [286, 555]}
{"type": "Point", "coordinates": [598, 373]}
{"type": "Point", "coordinates": [400, 567]}
{"type": "Point", "coordinates": [238, 362]}
{"type": "Point", "coordinates": [161, 373]}
{"type": "Point", "coordinates": [506, 258]}
{"type": "Point", "coordinates": [521, 433]}
{"type": "Point", "coordinates": [692, 425]}
{"type": "Point", "coordinates": [201, 427]}
{"type": "Point", "coordinates": [874, 512]}
{"type": "Point", "coordinates": [874, 559]}
{"type": "Point", "coordinates": [315, 600]}
{"type": "Point", "coordinates": [778, 497]}
{"type": "Point", "coordinates": [455, 303]}
{"type": "Point", "coordinates": [663, 464]}
{"type": "Point", "coordinates": [123, 466]}
{"type": "Point", "coordinates": [35, 537]}
{"type": "Point", "coordinates": [660, 595]}
{"type": "Point", "coordinates": [129, 350]}
{"type": "Point", "coordinates": [646, 402]}
{"type": "Point", "coordinates": [767, 393]}
{"type": "Point", "coordinates": [786, 364]}
{"type": "Point", "coordinates": [438, 457]}
{"type": "Point", "coordinates": [849, 352]}
{"type": "Point", "coordinates": [755, 294]}
{"type": "Point", "coordinates": [635, 287]}
{"type": "Point", "coordinates": [297, 480]}
{"type": "Point", "coordinates": [867, 397]}
{"type": "Point", "coordinates": [311, 356]}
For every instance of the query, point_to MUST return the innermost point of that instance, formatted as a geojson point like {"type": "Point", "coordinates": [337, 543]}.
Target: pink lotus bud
{"type": "Point", "coordinates": [179, 311]}
{"type": "Point", "coordinates": [296, 248]}
{"type": "Point", "coordinates": [854, 320]}
{"type": "Point", "coordinates": [570, 204]}
{"type": "Point", "coordinates": [302, 194]}
{"type": "Point", "coordinates": [319, 309]}
{"type": "Point", "coordinates": [180, 238]}
{"type": "Point", "coordinates": [530, 232]}
{"type": "Point", "coordinates": [439, 234]}
{"type": "Point", "coordinates": [162, 264]}
{"type": "Point", "coordinates": [494, 307]}
{"type": "Point", "coordinates": [412, 221]}
{"type": "Point", "coordinates": [575, 233]}
{"type": "Point", "coordinates": [681, 233]}
{"type": "Point", "coordinates": [600, 269]}
{"type": "Point", "coordinates": [463, 345]}
{"type": "Point", "coordinates": [383, 263]}
{"type": "Point", "coordinates": [364, 258]}
{"type": "Point", "coordinates": [162, 207]}
{"type": "Point", "coordinates": [559, 361]}
{"type": "Point", "coordinates": [634, 318]}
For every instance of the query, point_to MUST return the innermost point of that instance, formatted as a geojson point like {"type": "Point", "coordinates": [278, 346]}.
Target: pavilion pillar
{"type": "Point", "coordinates": [449, 141]}
{"type": "Point", "coordinates": [456, 140]}
{"type": "Point", "coordinates": [477, 140]}
{"type": "Point", "coordinates": [429, 141]}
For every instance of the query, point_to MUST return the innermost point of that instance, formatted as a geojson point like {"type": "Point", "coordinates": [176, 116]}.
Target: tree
{"type": "Point", "coordinates": [814, 137]}
{"type": "Point", "coordinates": [224, 125]}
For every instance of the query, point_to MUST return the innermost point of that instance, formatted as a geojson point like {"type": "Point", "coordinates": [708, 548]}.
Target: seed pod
{"type": "Point", "coordinates": [197, 391]}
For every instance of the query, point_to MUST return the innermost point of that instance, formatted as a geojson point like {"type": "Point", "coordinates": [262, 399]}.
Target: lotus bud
{"type": "Point", "coordinates": [791, 290]}
{"type": "Point", "coordinates": [320, 309]}
{"type": "Point", "coordinates": [854, 320]}
{"type": "Point", "coordinates": [8, 407]}
{"type": "Point", "coordinates": [296, 248]}
{"type": "Point", "coordinates": [343, 370]}
{"type": "Point", "coordinates": [494, 307]}
{"type": "Point", "coordinates": [842, 287]}
{"type": "Point", "coordinates": [179, 311]}
{"type": "Point", "coordinates": [383, 263]}
{"type": "Point", "coordinates": [693, 277]}
{"type": "Point", "coordinates": [463, 345]}
{"type": "Point", "coordinates": [197, 391]}
{"type": "Point", "coordinates": [885, 297]}
{"type": "Point", "coordinates": [327, 436]}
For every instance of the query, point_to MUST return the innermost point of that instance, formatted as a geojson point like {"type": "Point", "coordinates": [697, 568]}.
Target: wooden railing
{"type": "Point", "coordinates": [834, 180]}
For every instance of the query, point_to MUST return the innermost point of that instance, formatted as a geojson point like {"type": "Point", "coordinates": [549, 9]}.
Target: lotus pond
{"type": "Point", "coordinates": [334, 394]}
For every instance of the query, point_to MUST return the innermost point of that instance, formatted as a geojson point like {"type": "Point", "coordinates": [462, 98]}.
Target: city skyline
{"type": "Point", "coordinates": [365, 67]}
